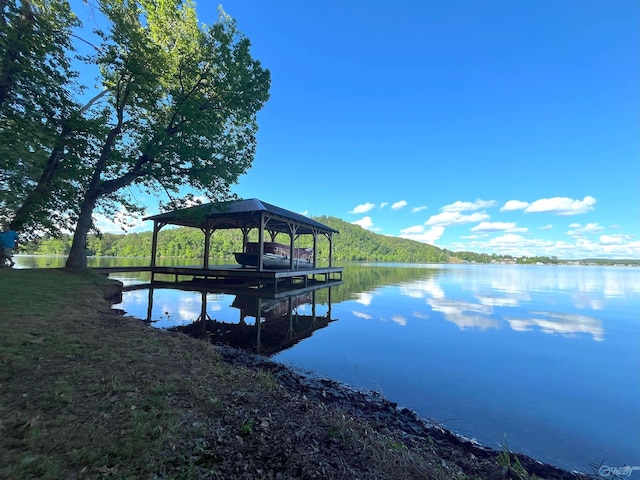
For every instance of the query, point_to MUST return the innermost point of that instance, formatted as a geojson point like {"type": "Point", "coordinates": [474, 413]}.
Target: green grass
{"type": "Point", "coordinates": [75, 404]}
{"type": "Point", "coordinates": [512, 463]}
{"type": "Point", "coordinates": [22, 290]}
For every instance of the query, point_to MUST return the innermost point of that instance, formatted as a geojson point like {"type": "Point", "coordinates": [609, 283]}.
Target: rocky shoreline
{"type": "Point", "coordinates": [477, 460]}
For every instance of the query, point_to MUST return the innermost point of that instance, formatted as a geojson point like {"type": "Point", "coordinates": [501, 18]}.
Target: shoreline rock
{"type": "Point", "coordinates": [373, 407]}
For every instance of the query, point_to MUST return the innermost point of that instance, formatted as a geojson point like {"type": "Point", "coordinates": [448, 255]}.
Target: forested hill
{"type": "Point", "coordinates": [353, 243]}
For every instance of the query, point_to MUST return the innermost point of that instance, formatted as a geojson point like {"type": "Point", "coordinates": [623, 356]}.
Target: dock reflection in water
{"type": "Point", "coordinates": [266, 324]}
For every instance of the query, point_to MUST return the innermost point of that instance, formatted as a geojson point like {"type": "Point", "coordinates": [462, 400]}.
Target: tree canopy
{"type": "Point", "coordinates": [175, 106]}
{"type": "Point", "coordinates": [37, 107]}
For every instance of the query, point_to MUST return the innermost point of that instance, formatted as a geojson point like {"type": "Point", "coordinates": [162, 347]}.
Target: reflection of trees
{"type": "Point", "coordinates": [356, 278]}
{"type": "Point", "coordinates": [35, 261]}
{"type": "Point", "coordinates": [365, 278]}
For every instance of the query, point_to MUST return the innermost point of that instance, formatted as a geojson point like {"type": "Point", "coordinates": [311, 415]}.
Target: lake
{"type": "Point", "coordinates": [546, 357]}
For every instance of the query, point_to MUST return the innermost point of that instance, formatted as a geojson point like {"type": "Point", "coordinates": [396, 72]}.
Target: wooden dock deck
{"type": "Point", "coordinates": [238, 275]}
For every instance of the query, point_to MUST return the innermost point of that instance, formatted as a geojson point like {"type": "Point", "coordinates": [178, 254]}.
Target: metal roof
{"type": "Point", "coordinates": [241, 214]}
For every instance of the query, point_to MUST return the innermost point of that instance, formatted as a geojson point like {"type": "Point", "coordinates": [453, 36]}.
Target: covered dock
{"type": "Point", "coordinates": [246, 215]}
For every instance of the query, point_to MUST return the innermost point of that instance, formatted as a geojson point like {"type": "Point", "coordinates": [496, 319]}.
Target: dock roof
{"type": "Point", "coordinates": [241, 214]}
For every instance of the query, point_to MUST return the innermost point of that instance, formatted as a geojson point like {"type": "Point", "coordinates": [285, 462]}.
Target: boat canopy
{"type": "Point", "coordinates": [243, 214]}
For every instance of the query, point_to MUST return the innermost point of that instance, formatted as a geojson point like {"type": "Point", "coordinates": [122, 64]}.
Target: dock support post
{"type": "Point", "coordinates": [150, 304]}
{"type": "Point", "coordinates": [292, 245]}
{"type": "Point", "coordinates": [315, 248]}
{"type": "Point", "coordinates": [154, 243]}
{"type": "Point", "coordinates": [154, 247]}
{"type": "Point", "coordinates": [261, 243]}
{"type": "Point", "coordinates": [207, 246]}
{"type": "Point", "coordinates": [258, 326]}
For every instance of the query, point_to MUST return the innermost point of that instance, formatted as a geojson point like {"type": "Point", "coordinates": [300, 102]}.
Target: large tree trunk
{"type": "Point", "coordinates": [78, 255]}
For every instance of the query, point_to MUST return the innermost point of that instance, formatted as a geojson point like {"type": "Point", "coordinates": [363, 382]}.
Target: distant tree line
{"type": "Point", "coordinates": [352, 244]}
{"type": "Point", "coordinates": [606, 261]}
{"type": "Point", "coordinates": [493, 258]}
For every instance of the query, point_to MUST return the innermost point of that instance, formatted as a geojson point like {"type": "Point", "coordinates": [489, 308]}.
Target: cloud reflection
{"type": "Point", "coordinates": [422, 289]}
{"type": "Point", "coordinates": [587, 302]}
{"type": "Point", "coordinates": [364, 315]}
{"type": "Point", "coordinates": [564, 324]}
{"type": "Point", "coordinates": [364, 298]}
{"type": "Point", "coordinates": [501, 301]}
{"type": "Point", "coordinates": [480, 298]}
{"type": "Point", "coordinates": [455, 311]}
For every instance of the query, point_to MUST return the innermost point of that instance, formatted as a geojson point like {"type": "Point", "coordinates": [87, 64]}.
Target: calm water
{"type": "Point", "coordinates": [546, 357]}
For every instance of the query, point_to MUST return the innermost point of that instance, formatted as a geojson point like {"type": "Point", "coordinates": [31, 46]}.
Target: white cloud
{"type": "Point", "coordinates": [619, 250]}
{"type": "Point", "coordinates": [196, 200]}
{"type": "Point", "coordinates": [514, 205]}
{"type": "Point", "coordinates": [617, 239]}
{"type": "Point", "coordinates": [580, 230]}
{"type": "Point", "coordinates": [429, 236]}
{"type": "Point", "coordinates": [400, 320]}
{"type": "Point", "coordinates": [412, 230]}
{"type": "Point", "coordinates": [364, 222]}
{"type": "Point", "coordinates": [468, 206]}
{"type": "Point", "coordinates": [618, 246]}
{"type": "Point", "coordinates": [418, 209]}
{"type": "Point", "coordinates": [384, 204]}
{"type": "Point", "coordinates": [122, 222]}
{"type": "Point", "coordinates": [456, 218]}
{"type": "Point", "coordinates": [498, 227]}
{"type": "Point", "coordinates": [508, 239]}
{"type": "Point", "coordinates": [365, 207]}
{"type": "Point", "coordinates": [363, 315]}
{"type": "Point", "coordinates": [517, 245]}
{"type": "Point", "coordinates": [562, 205]}
{"type": "Point", "coordinates": [305, 213]}
{"type": "Point", "coordinates": [106, 225]}
{"type": "Point", "coordinates": [546, 227]}
{"type": "Point", "coordinates": [399, 205]}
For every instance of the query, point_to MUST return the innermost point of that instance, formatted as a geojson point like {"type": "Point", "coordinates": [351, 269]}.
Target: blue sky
{"type": "Point", "coordinates": [501, 127]}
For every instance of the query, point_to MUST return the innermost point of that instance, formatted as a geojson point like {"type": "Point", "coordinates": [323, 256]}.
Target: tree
{"type": "Point", "coordinates": [182, 103]}
{"type": "Point", "coordinates": [37, 88]}
{"type": "Point", "coordinates": [175, 107]}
